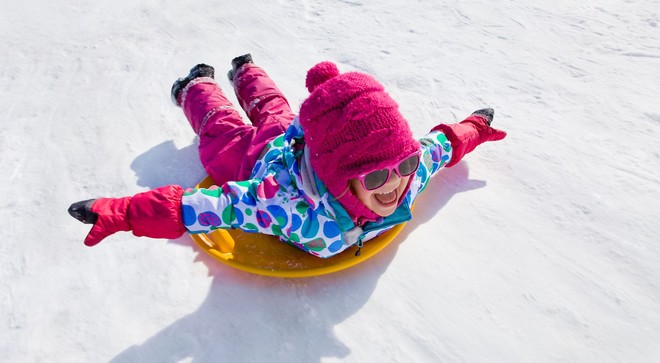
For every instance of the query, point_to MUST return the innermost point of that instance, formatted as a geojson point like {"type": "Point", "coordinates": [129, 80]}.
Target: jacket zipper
{"type": "Point", "coordinates": [359, 244]}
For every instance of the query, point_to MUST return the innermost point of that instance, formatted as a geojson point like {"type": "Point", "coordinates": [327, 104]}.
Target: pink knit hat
{"type": "Point", "coordinates": [352, 126]}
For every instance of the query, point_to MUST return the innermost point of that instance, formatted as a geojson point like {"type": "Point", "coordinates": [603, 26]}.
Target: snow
{"type": "Point", "coordinates": [543, 247]}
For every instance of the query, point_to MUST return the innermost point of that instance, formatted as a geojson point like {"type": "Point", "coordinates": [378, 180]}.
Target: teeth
{"type": "Point", "coordinates": [386, 198]}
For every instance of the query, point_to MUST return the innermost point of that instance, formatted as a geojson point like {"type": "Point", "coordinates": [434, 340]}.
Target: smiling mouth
{"type": "Point", "coordinates": [386, 199]}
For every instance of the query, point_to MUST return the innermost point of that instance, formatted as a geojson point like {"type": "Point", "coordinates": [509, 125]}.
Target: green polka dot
{"type": "Point", "coordinates": [245, 184]}
{"type": "Point", "coordinates": [279, 141]}
{"type": "Point", "coordinates": [190, 192]}
{"type": "Point", "coordinates": [442, 139]}
{"type": "Point", "coordinates": [294, 237]}
{"type": "Point", "coordinates": [277, 230]}
{"type": "Point", "coordinates": [228, 215]}
{"type": "Point", "coordinates": [248, 212]}
{"type": "Point", "coordinates": [317, 244]}
{"type": "Point", "coordinates": [250, 227]}
{"type": "Point", "coordinates": [302, 207]}
{"type": "Point", "coordinates": [212, 193]}
{"type": "Point", "coordinates": [281, 221]}
{"type": "Point", "coordinates": [322, 189]}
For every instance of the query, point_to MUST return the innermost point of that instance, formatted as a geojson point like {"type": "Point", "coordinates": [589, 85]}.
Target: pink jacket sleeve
{"type": "Point", "coordinates": [157, 213]}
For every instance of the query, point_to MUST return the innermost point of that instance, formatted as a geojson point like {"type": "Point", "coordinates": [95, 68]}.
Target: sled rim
{"type": "Point", "coordinates": [208, 245]}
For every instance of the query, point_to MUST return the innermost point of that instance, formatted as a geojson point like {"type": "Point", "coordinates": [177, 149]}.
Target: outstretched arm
{"type": "Point", "coordinates": [156, 214]}
{"type": "Point", "coordinates": [447, 144]}
{"type": "Point", "coordinates": [466, 135]}
{"type": "Point", "coordinates": [259, 205]}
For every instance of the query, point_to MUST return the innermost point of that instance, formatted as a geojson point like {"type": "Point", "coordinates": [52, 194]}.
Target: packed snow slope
{"type": "Point", "coordinates": [543, 247]}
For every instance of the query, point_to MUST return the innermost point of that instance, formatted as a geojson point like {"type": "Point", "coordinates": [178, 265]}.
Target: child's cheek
{"type": "Point", "coordinates": [361, 194]}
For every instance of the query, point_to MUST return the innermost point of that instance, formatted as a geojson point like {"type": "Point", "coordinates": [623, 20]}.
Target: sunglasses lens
{"type": "Point", "coordinates": [376, 179]}
{"type": "Point", "coordinates": [409, 165]}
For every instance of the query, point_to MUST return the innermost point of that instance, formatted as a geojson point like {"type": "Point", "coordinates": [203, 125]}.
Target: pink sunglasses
{"type": "Point", "coordinates": [377, 178]}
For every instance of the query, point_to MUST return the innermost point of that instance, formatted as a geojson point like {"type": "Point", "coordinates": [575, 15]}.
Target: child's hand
{"type": "Point", "coordinates": [486, 133]}
{"type": "Point", "coordinates": [108, 215]}
{"type": "Point", "coordinates": [487, 113]}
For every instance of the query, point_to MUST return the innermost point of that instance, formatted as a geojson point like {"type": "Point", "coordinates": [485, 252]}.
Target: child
{"type": "Point", "coordinates": [344, 171]}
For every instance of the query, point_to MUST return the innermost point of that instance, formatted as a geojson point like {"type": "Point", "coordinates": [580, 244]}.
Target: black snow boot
{"type": "Point", "coordinates": [200, 70]}
{"type": "Point", "coordinates": [237, 63]}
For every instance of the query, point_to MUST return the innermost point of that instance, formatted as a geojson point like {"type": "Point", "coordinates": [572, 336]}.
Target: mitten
{"type": "Point", "coordinates": [155, 214]}
{"type": "Point", "coordinates": [466, 135]}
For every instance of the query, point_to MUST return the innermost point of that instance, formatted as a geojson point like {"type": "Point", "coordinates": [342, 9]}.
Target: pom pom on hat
{"type": "Point", "coordinates": [320, 73]}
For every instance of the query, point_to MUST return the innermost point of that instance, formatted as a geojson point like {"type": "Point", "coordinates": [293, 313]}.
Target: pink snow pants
{"type": "Point", "coordinates": [228, 147]}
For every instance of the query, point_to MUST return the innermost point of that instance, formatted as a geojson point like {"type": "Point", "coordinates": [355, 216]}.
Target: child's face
{"type": "Point", "coordinates": [382, 201]}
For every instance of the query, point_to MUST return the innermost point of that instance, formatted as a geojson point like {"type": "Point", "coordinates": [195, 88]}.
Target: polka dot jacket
{"type": "Point", "coordinates": [284, 198]}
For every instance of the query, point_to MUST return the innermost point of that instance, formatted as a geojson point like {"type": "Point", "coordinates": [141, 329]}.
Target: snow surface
{"type": "Point", "coordinates": [544, 247]}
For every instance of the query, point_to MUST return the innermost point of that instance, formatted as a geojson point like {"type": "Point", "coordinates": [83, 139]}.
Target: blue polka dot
{"type": "Point", "coordinates": [264, 219]}
{"type": "Point", "coordinates": [272, 155]}
{"type": "Point", "coordinates": [445, 158]}
{"type": "Point", "coordinates": [422, 173]}
{"type": "Point", "coordinates": [310, 226]}
{"type": "Point", "coordinates": [234, 193]}
{"type": "Point", "coordinates": [335, 246]}
{"type": "Point", "coordinates": [296, 222]}
{"type": "Point", "coordinates": [436, 154]}
{"type": "Point", "coordinates": [209, 219]}
{"type": "Point", "coordinates": [188, 214]}
{"type": "Point", "coordinates": [239, 218]}
{"type": "Point", "coordinates": [249, 199]}
{"type": "Point", "coordinates": [331, 229]}
{"type": "Point", "coordinates": [279, 214]}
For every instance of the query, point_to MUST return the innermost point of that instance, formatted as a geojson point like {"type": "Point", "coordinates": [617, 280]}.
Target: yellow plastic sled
{"type": "Point", "coordinates": [268, 256]}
